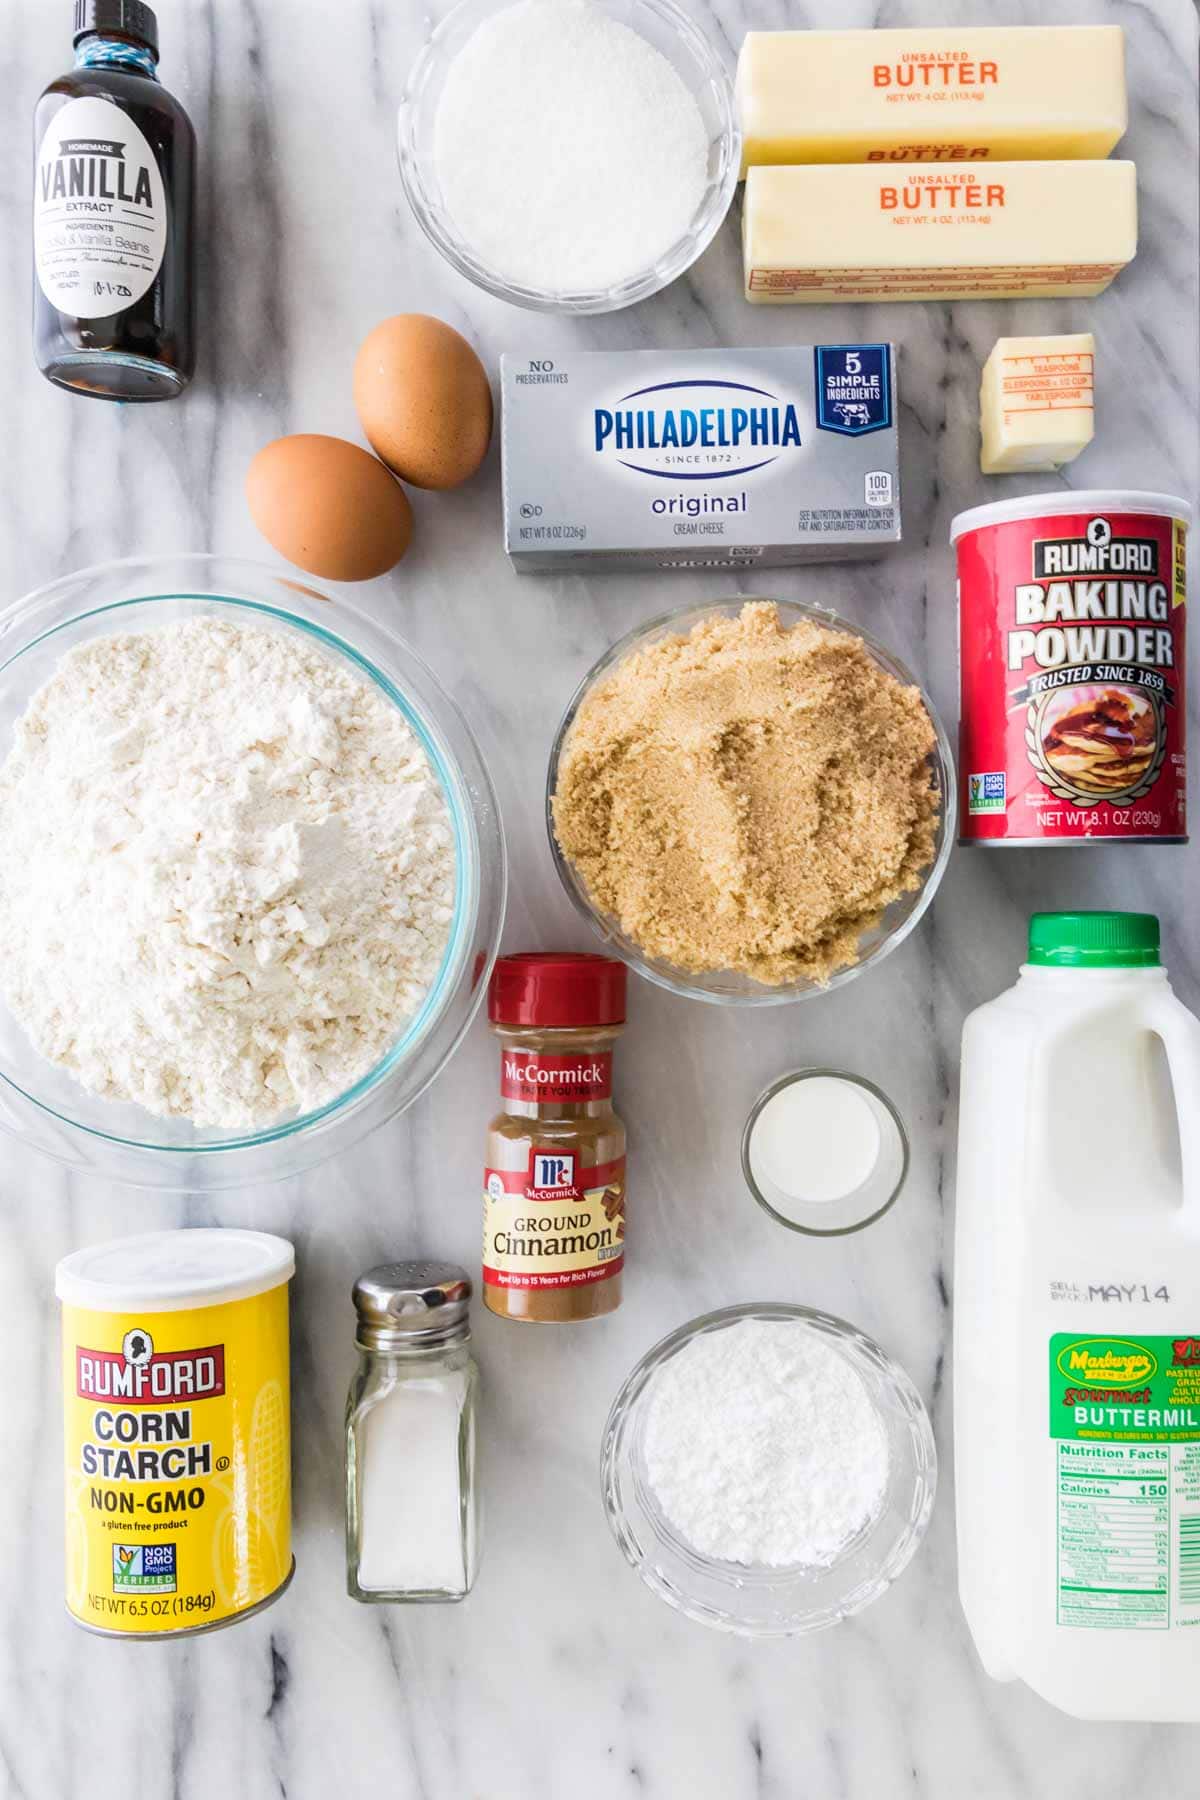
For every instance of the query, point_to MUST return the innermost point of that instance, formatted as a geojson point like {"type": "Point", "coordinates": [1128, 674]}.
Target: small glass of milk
{"type": "Point", "coordinates": [824, 1152]}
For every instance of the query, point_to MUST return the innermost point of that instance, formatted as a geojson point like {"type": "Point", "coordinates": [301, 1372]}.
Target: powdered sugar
{"type": "Point", "coordinates": [570, 153]}
{"type": "Point", "coordinates": [228, 872]}
{"type": "Point", "coordinates": [762, 1445]}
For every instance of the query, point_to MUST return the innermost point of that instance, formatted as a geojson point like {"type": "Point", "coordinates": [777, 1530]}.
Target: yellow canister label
{"type": "Point", "coordinates": [178, 1452]}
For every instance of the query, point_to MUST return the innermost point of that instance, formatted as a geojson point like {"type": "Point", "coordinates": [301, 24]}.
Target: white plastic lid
{"type": "Point", "coordinates": [1069, 500]}
{"type": "Point", "coordinates": [170, 1271]}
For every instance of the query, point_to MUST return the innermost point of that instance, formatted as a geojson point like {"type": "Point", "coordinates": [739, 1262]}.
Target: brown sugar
{"type": "Point", "coordinates": [749, 796]}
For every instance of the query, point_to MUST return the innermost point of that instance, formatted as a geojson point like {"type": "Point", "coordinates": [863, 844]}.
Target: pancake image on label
{"type": "Point", "coordinates": [1100, 740]}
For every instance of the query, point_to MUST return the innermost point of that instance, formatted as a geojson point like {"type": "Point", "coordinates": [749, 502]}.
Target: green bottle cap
{"type": "Point", "coordinates": [1094, 940]}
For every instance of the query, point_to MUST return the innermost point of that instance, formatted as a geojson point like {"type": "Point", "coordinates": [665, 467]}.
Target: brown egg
{"type": "Point", "coordinates": [424, 401]}
{"type": "Point", "coordinates": [329, 507]}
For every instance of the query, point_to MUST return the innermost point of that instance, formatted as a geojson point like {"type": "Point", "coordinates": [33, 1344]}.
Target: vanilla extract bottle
{"type": "Point", "coordinates": [114, 192]}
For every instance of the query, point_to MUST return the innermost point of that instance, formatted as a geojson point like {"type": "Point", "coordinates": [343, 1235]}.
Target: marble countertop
{"type": "Point", "coordinates": [561, 1675]}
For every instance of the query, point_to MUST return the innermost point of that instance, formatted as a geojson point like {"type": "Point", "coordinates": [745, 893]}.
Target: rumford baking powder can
{"type": "Point", "coordinates": [178, 1440]}
{"type": "Point", "coordinates": [1072, 609]}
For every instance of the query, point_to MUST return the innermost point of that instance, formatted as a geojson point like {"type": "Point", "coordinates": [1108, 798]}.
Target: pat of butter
{"type": "Point", "coordinates": [1036, 403]}
{"type": "Point", "coordinates": [952, 231]}
{"type": "Point", "coordinates": [945, 95]}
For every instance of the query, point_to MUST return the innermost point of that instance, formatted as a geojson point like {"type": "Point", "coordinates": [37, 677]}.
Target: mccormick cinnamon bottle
{"type": "Point", "coordinates": [113, 308]}
{"type": "Point", "coordinates": [554, 1187]}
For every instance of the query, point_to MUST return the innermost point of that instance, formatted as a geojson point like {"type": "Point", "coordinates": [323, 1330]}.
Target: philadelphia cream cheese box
{"type": "Point", "coordinates": [659, 459]}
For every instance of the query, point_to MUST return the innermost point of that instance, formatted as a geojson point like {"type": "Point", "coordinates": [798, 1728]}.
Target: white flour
{"type": "Point", "coordinates": [569, 151]}
{"type": "Point", "coordinates": [228, 872]}
{"type": "Point", "coordinates": [762, 1445]}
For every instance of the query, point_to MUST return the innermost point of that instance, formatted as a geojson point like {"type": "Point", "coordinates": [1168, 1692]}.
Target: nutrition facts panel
{"type": "Point", "coordinates": [1114, 1535]}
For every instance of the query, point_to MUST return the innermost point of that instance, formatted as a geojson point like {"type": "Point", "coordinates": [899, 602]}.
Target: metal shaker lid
{"type": "Point", "coordinates": [412, 1303]}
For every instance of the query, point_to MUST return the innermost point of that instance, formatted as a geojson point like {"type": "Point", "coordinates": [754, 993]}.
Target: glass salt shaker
{"type": "Point", "coordinates": [411, 1511]}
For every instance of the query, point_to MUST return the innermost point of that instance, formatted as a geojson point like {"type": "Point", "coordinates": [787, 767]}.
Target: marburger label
{"type": "Point", "coordinates": [1123, 1452]}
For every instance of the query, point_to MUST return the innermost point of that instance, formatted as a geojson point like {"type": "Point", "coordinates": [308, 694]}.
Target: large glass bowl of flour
{"type": "Point", "coordinates": [746, 1594]}
{"type": "Point", "coordinates": [44, 1104]}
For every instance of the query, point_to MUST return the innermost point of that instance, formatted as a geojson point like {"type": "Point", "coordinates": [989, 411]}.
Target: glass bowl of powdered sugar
{"type": "Point", "coordinates": [569, 155]}
{"type": "Point", "coordinates": [254, 872]}
{"type": "Point", "coordinates": [768, 1470]}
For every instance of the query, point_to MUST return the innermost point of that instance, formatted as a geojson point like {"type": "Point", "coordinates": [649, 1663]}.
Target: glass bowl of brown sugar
{"type": "Point", "coordinates": [751, 802]}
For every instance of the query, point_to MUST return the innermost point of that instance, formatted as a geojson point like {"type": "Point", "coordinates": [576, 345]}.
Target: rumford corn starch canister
{"type": "Point", "coordinates": [1072, 611]}
{"type": "Point", "coordinates": [177, 1426]}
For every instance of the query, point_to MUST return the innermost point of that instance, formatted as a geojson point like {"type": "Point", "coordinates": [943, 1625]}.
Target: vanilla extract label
{"type": "Point", "coordinates": [100, 212]}
{"type": "Point", "coordinates": [92, 169]}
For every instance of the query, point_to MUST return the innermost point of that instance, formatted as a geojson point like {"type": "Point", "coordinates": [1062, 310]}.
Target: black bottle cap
{"type": "Point", "coordinates": [122, 18]}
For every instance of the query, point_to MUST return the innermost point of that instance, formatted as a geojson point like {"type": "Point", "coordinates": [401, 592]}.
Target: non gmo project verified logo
{"type": "Point", "coordinates": [137, 1567]}
{"type": "Point", "coordinates": [987, 793]}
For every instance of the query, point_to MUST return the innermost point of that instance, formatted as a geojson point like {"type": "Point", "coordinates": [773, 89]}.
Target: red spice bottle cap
{"type": "Point", "coordinates": [563, 989]}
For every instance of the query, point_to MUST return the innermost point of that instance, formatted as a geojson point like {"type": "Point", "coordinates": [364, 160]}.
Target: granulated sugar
{"type": "Point", "coordinates": [570, 152]}
{"type": "Point", "coordinates": [228, 872]}
{"type": "Point", "coordinates": [762, 1445]}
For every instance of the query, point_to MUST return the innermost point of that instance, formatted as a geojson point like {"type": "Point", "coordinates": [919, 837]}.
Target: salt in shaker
{"type": "Point", "coordinates": [411, 1514]}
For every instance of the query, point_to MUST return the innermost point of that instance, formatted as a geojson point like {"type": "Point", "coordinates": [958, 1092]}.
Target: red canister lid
{"type": "Point", "coordinates": [566, 989]}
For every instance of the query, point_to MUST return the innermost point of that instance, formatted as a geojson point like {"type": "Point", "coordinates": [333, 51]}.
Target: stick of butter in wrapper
{"type": "Point", "coordinates": [947, 94]}
{"type": "Point", "coordinates": [946, 231]}
{"type": "Point", "coordinates": [1036, 403]}
{"type": "Point", "coordinates": [652, 459]}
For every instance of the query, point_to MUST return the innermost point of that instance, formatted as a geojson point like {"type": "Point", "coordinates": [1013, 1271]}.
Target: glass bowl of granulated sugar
{"type": "Point", "coordinates": [254, 873]}
{"type": "Point", "coordinates": [569, 155]}
{"type": "Point", "coordinates": [768, 1470]}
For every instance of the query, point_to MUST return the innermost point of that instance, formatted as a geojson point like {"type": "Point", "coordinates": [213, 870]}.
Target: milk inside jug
{"type": "Point", "coordinates": [1077, 1326]}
